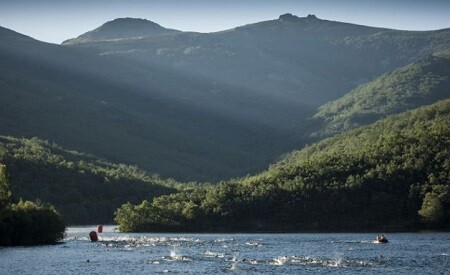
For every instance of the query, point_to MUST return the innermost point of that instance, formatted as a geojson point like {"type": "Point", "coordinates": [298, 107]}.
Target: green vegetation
{"type": "Point", "coordinates": [85, 189]}
{"type": "Point", "coordinates": [421, 83]}
{"type": "Point", "coordinates": [5, 192]}
{"type": "Point", "coordinates": [432, 209]}
{"type": "Point", "coordinates": [393, 174]}
{"type": "Point", "coordinates": [25, 222]}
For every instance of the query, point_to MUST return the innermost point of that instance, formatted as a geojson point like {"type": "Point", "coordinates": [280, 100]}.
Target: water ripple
{"type": "Point", "coordinates": [117, 253]}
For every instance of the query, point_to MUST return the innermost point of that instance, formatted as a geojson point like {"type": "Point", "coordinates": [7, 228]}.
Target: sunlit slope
{"type": "Point", "coordinates": [420, 83]}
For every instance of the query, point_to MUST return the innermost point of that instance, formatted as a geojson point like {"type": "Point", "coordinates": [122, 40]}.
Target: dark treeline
{"type": "Point", "coordinates": [25, 222]}
{"type": "Point", "coordinates": [85, 189]}
{"type": "Point", "coordinates": [391, 175]}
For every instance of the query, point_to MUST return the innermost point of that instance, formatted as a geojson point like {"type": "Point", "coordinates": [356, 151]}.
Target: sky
{"type": "Point", "coordinates": [57, 20]}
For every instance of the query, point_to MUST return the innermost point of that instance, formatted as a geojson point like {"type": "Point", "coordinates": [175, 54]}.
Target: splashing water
{"type": "Point", "coordinates": [280, 260]}
{"type": "Point", "coordinates": [233, 266]}
{"type": "Point", "coordinates": [211, 254]}
{"type": "Point", "coordinates": [151, 253]}
{"type": "Point", "coordinates": [176, 256]}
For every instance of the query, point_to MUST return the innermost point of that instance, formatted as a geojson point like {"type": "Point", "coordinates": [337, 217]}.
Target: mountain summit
{"type": "Point", "coordinates": [121, 28]}
{"type": "Point", "coordinates": [291, 17]}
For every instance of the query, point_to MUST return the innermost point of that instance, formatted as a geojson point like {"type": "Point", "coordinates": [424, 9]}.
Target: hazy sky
{"type": "Point", "coordinates": [57, 20]}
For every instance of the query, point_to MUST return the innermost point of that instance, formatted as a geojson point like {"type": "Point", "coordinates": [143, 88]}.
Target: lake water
{"type": "Point", "coordinates": [145, 253]}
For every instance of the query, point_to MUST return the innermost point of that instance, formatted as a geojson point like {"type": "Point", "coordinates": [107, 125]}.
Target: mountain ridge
{"type": "Point", "coordinates": [297, 59]}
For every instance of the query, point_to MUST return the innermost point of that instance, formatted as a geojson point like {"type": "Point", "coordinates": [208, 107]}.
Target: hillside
{"type": "Point", "coordinates": [391, 175]}
{"type": "Point", "coordinates": [85, 189]}
{"type": "Point", "coordinates": [302, 60]}
{"type": "Point", "coordinates": [421, 83]}
{"type": "Point", "coordinates": [193, 106]}
{"type": "Point", "coordinates": [170, 123]}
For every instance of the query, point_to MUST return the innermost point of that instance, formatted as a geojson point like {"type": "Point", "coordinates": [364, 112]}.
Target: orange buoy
{"type": "Point", "coordinates": [93, 236]}
{"type": "Point", "coordinates": [100, 228]}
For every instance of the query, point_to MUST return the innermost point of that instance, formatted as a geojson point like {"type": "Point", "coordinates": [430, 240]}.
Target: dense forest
{"type": "Point", "coordinates": [391, 175]}
{"type": "Point", "coordinates": [83, 188]}
{"type": "Point", "coordinates": [25, 222]}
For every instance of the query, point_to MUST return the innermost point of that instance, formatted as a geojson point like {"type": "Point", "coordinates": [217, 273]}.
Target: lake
{"type": "Point", "coordinates": [147, 253]}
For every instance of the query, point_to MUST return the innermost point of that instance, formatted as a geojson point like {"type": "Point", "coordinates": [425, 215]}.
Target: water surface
{"type": "Point", "coordinates": [146, 253]}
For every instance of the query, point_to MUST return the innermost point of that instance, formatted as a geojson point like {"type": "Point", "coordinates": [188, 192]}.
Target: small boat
{"type": "Point", "coordinates": [381, 239]}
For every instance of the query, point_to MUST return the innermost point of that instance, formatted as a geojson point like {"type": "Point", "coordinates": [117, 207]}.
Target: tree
{"type": "Point", "coordinates": [432, 209]}
{"type": "Point", "coordinates": [25, 222]}
{"type": "Point", "coordinates": [5, 192]}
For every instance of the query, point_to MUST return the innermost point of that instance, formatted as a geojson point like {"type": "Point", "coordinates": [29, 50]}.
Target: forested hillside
{"type": "Point", "coordinates": [421, 83]}
{"type": "Point", "coordinates": [391, 175]}
{"type": "Point", "coordinates": [83, 188]}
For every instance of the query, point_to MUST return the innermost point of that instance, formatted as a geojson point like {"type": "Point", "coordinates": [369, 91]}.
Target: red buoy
{"type": "Point", "coordinates": [93, 236]}
{"type": "Point", "coordinates": [100, 228]}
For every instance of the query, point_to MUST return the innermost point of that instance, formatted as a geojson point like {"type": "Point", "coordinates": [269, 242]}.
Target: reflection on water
{"type": "Point", "coordinates": [121, 253]}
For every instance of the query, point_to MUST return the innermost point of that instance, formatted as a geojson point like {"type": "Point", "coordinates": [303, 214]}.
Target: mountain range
{"type": "Point", "coordinates": [209, 106]}
{"type": "Point", "coordinates": [304, 60]}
